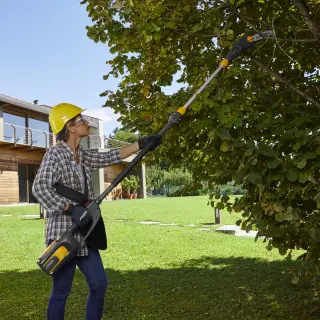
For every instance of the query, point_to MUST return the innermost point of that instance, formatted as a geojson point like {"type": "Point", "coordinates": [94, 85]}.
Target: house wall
{"type": "Point", "coordinates": [141, 173]}
{"type": "Point", "coordinates": [9, 183]}
{"type": "Point", "coordinates": [9, 179]}
{"type": "Point", "coordinates": [98, 181]}
{"type": "Point", "coordinates": [111, 172]}
{"type": "Point", "coordinates": [1, 123]}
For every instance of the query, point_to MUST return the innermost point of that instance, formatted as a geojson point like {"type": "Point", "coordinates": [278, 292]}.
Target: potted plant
{"type": "Point", "coordinates": [126, 187]}
{"type": "Point", "coordinates": [134, 186]}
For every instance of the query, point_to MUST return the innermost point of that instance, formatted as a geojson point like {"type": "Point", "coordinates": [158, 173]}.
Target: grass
{"type": "Point", "coordinates": [156, 272]}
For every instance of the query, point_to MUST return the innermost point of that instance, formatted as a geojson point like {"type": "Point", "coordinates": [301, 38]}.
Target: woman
{"type": "Point", "coordinates": [70, 165]}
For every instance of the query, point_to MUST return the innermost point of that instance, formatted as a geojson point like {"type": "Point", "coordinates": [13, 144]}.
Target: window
{"type": "Point", "coordinates": [40, 132]}
{"type": "Point", "coordinates": [38, 125]}
{"type": "Point", "coordinates": [19, 129]}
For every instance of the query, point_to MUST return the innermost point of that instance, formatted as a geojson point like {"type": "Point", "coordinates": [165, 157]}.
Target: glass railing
{"type": "Point", "coordinates": [25, 136]}
{"type": "Point", "coordinates": [18, 135]}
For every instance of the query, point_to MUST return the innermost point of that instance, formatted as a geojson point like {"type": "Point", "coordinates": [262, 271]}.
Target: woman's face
{"type": "Point", "coordinates": [81, 126]}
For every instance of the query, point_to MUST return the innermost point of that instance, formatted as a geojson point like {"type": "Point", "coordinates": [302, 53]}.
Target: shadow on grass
{"type": "Point", "coordinates": [208, 288]}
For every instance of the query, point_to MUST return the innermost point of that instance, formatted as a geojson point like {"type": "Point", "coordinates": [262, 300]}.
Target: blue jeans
{"type": "Point", "coordinates": [92, 268]}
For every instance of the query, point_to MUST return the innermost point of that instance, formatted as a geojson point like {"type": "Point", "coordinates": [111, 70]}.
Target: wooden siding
{"type": "Point", "coordinates": [18, 156]}
{"type": "Point", "coordinates": [9, 183]}
{"type": "Point", "coordinates": [111, 172]}
{"type": "Point", "coordinates": [9, 178]}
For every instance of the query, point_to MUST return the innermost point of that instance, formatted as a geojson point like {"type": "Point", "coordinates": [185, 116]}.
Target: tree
{"type": "Point", "coordinates": [126, 136]}
{"type": "Point", "coordinates": [179, 182]}
{"type": "Point", "coordinates": [154, 177]}
{"type": "Point", "coordinates": [257, 124]}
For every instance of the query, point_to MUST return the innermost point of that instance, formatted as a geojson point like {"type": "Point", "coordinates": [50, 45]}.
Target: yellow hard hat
{"type": "Point", "coordinates": [60, 114]}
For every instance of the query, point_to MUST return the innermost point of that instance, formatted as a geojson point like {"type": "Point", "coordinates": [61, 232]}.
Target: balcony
{"type": "Point", "coordinates": [22, 138]}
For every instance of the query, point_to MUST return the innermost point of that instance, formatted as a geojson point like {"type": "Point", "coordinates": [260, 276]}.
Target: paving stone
{"type": "Point", "coordinates": [236, 231]}
{"type": "Point", "coordinates": [243, 233]}
{"type": "Point", "coordinates": [149, 222]}
{"type": "Point", "coordinates": [30, 216]}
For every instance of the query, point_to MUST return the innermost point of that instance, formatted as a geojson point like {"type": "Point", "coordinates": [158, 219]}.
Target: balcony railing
{"type": "Point", "coordinates": [23, 136]}
{"type": "Point", "coordinates": [18, 135]}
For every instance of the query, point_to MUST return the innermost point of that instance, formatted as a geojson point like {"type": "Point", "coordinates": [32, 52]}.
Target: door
{"type": "Point", "coordinates": [23, 183]}
{"type": "Point", "coordinates": [27, 174]}
{"type": "Point", "coordinates": [32, 172]}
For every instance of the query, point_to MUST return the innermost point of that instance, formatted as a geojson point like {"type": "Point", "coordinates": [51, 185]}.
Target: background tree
{"type": "Point", "coordinates": [257, 124]}
{"type": "Point", "coordinates": [124, 135]}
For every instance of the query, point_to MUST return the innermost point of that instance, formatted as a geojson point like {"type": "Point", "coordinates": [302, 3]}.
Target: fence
{"type": "Point", "coordinates": [26, 136]}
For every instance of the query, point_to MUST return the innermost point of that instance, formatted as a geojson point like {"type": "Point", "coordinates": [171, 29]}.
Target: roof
{"type": "Point", "coordinates": [24, 104]}
{"type": "Point", "coordinates": [38, 108]}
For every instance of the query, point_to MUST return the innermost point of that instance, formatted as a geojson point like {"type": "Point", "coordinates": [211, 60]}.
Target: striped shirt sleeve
{"type": "Point", "coordinates": [43, 187]}
{"type": "Point", "coordinates": [96, 160]}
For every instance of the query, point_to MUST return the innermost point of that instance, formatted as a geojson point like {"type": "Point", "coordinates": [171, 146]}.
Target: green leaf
{"type": "Point", "coordinates": [220, 205]}
{"type": "Point", "coordinates": [230, 32]}
{"type": "Point", "coordinates": [186, 8]}
{"type": "Point", "coordinates": [303, 177]}
{"type": "Point", "coordinates": [312, 179]}
{"type": "Point", "coordinates": [267, 151]}
{"type": "Point", "coordinates": [197, 27]}
{"type": "Point", "coordinates": [272, 164]}
{"type": "Point", "coordinates": [317, 197]}
{"type": "Point", "coordinates": [249, 152]}
{"type": "Point", "coordinates": [291, 214]}
{"type": "Point", "coordinates": [225, 134]}
{"type": "Point", "coordinates": [225, 146]}
{"type": "Point", "coordinates": [225, 199]}
{"type": "Point", "coordinates": [279, 216]}
{"type": "Point", "coordinates": [255, 177]}
{"type": "Point", "coordinates": [302, 163]}
{"type": "Point", "coordinates": [269, 247]}
{"type": "Point", "coordinates": [126, 10]}
{"type": "Point", "coordinates": [292, 175]}
{"type": "Point", "coordinates": [275, 231]}
{"type": "Point", "coordinates": [297, 146]}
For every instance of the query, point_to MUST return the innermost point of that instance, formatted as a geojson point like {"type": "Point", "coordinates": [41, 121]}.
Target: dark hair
{"type": "Point", "coordinates": [63, 134]}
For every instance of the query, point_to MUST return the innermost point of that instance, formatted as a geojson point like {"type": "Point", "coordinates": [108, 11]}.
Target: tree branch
{"type": "Point", "coordinates": [303, 8]}
{"type": "Point", "coordinates": [286, 82]}
{"type": "Point", "coordinates": [241, 17]}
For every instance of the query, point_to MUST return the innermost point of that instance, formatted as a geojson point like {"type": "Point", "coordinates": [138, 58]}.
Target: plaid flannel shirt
{"type": "Point", "coordinates": [58, 164]}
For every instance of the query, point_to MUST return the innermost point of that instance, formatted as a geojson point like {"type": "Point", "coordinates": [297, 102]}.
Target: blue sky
{"type": "Point", "coordinates": [46, 55]}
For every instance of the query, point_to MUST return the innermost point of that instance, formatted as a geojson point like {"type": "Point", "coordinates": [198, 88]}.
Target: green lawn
{"type": "Point", "coordinates": [156, 272]}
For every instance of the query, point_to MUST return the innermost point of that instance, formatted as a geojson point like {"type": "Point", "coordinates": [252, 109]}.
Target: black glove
{"type": "Point", "coordinates": [79, 215]}
{"type": "Point", "coordinates": [153, 139]}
